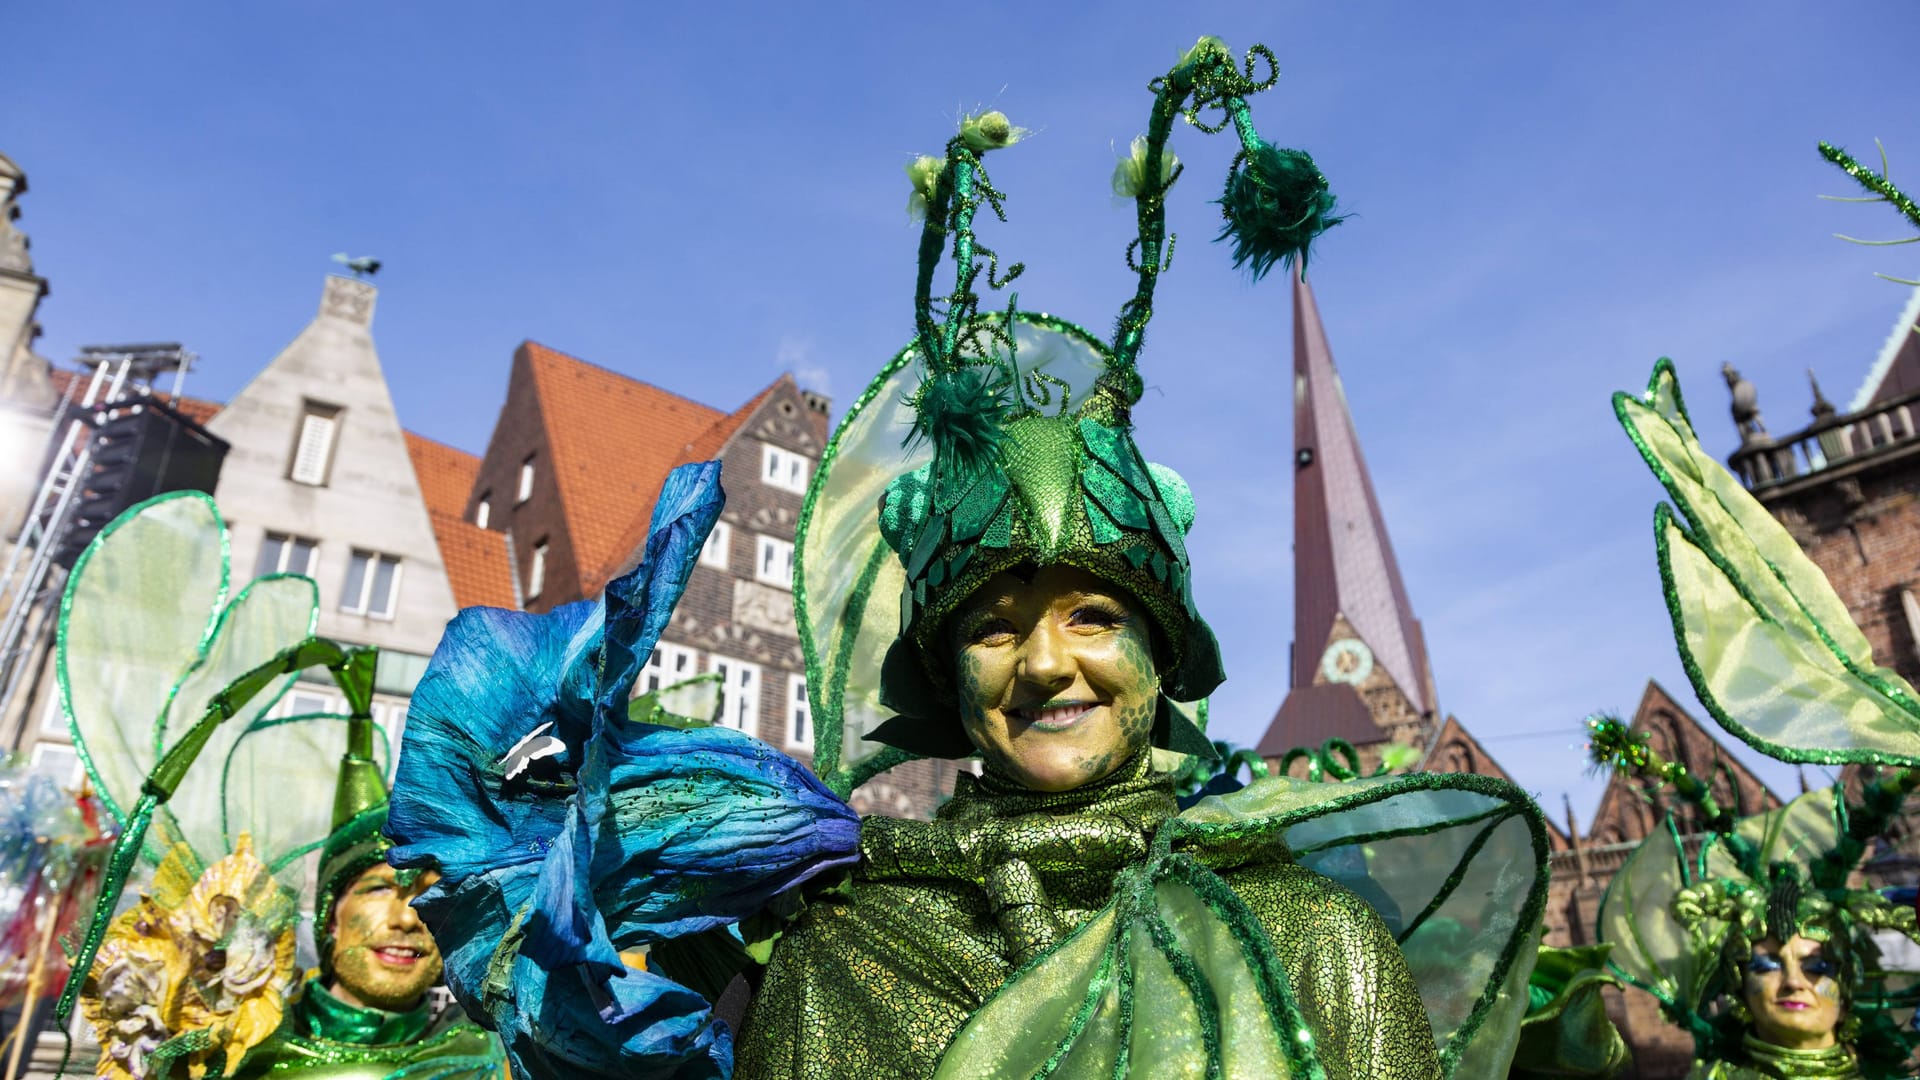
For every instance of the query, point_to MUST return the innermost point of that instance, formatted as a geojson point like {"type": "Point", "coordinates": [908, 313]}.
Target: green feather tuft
{"type": "Point", "coordinates": [963, 415]}
{"type": "Point", "coordinates": [1276, 202]}
{"type": "Point", "coordinates": [1610, 745]}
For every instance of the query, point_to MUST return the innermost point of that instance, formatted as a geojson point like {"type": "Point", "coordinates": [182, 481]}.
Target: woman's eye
{"type": "Point", "coordinates": [1097, 616]}
{"type": "Point", "coordinates": [1817, 966]}
{"type": "Point", "coordinates": [990, 632]}
{"type": "Point", "coordinates": [1764, 964]}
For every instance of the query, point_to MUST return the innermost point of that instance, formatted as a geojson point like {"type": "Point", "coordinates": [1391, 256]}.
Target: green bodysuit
{"type": "Point", "coordinates": [324, 1038]}
{"type": "Point", "coordinates": [878, 982]}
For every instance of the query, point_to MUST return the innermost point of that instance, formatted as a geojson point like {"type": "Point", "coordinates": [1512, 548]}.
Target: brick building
{"type": "Point", "coordinates": [569, 477]}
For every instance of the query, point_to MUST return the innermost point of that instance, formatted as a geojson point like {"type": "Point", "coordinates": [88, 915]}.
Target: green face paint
{"type": "Point", "coordinates": [1055, 677]}
{"type": "Point", "coordinates": [383, 957]}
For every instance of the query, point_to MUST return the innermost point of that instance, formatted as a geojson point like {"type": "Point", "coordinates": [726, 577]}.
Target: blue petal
{"type": "Point", "coordinates": [496, 676]}
{"type": "Point", "coordinates": [708, 825]}
{"type": "Point", "coordinates": [655, 833]}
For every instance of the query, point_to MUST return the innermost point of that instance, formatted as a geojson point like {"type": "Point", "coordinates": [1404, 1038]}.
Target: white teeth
{"type": "Point", "coordinates": [1058, 716]}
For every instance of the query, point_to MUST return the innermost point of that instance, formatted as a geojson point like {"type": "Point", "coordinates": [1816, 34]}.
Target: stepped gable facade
{"type": "Point", "coordinates": [569, 478]}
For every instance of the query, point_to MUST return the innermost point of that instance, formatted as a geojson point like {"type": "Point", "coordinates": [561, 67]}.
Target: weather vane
{"type": "Point", "coordinates": [363, 266]}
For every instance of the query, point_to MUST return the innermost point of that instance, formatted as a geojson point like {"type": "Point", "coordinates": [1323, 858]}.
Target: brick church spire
{"type": "Point", "coordinates": [1353, 625]}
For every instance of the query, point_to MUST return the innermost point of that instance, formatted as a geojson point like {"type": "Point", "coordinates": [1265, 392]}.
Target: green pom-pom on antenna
{"type": "Point", "coordinates": [1610, 745]}
{"type": "Point", "coordinates": [963, 415]}
{"type": "Point", "coordinates": [1276, 202]}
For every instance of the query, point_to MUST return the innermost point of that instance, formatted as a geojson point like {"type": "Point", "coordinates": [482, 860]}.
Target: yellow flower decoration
{"type": "Point", "coordinates": [216, 958]}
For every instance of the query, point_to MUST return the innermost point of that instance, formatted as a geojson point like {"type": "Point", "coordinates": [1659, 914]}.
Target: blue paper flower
{"type": "Point", "coordinates": [621, 835]}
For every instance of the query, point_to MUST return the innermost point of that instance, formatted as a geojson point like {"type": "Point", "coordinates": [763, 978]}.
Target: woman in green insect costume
{"type": "Point", "coordinates": [988, 567]}
{"type": "Point", "coordinates": [221, 808]}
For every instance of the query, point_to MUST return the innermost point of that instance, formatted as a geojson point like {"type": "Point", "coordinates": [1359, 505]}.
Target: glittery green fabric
{"type": "Point", "coordinates": [322, 1015]}
{"type": "Point", "coordinates": [943, 915]}
{"type": "Point", "coordinates": [322, 1041]}
{"type": "Point", "coordinates": [1763, 1061]}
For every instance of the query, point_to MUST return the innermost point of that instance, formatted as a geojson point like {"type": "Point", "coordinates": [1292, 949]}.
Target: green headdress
{"type": "Point", "coordinates": [1683, 926]}
{"type": "Point", "coordinates": [359, 813]}
{"type": "Point", "coordinates": [1025, 421]}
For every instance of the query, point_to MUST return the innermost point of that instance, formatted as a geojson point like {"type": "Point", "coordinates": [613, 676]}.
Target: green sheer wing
{"type": "Point", "coordinates": [270, 614]}
{"type": "Point", "coordinates": [140, 607]}
{"type": "Point", "coordinates": [1456, 866]}
{"type": "Point", "coordinates": [277, 783]}
{"type": "Point", "coordinates": [847, 581]}
{"type": "Point", "coordinates": [147, 638]}
{"type": "Point", "coordinates": [1769, 646]}
{"type": "Point", "coordinates": [1798, 833]}
{"type": "Point", "coordinates": [1650, 949]}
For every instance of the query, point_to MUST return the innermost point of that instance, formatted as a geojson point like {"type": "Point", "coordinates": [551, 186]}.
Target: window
{"type": "Point", "coordinates": [484, 511]}
{"type": "Point", "coordinates": [773, 561]}
{"type": "Point", "coordinates": [313, 449]}
{"type": "Point", "coordinates": [526, 480]}
{"type": "Point", "coordinates": [537, 572]}
{"type": "Point", "coordinates": [373, 584]}
{"type": "Point", "coordinates": [783, 469]}
{"type": "Point", "coordinates": [739, 694]}
{"type": "Point", "coordinates": [398, 672]}
{"type": "Point", "coordinates": [718, 550]}
{"type": "Point", "coordinates": [799, 714]}
{"type": "Point", "coordinates": [281, 553]}
{"type": "Point", "coordinates": [669, 664]}
{"type": "Point", "coordinates": [304, 702]}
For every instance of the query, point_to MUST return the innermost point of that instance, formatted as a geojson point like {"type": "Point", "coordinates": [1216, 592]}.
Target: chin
{"type": "Point", "coordinates": [1054, 776]}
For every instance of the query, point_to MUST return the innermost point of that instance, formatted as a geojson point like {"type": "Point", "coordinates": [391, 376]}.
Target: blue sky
{"type": "Point", "coordinates": [1547, 197]}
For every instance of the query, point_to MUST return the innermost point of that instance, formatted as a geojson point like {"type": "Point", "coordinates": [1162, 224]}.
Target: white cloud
{"type": "Point", "coordinates": [796, 354]}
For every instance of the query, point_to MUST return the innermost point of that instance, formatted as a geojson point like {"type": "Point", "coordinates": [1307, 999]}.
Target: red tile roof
{"type": "Point", "coordinates": [704, 448]}
{"type": "Point", "coordinates": [446, 475]}
{"type": "Point", "coordinates": [613, 440]}
{"type": "Point", "coordinates": [610, 437]}
{"type": "Point", "coordinates": [476, 559]}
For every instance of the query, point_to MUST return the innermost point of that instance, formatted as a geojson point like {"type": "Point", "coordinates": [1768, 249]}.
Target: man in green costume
{"type": "Point", "coordinates": [366, 1014]}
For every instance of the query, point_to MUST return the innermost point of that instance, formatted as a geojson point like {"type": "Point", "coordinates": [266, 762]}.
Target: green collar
{"type": "Point", "coordinates": [327, 1017]}
{"type": "Point", "coordinates": [1835, 1062]}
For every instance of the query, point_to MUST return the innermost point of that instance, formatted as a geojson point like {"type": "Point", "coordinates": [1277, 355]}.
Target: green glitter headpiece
{"type": "Point", "coordinates": [359, 807]}
{"type": "Point", "coordinates": [1035, 464]}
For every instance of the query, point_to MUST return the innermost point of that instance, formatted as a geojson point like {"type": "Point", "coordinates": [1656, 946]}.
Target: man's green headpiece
{"type": "Point", "coordinates": [1029, 418]}
{"type": "Point", "coordinates": [359, 809]}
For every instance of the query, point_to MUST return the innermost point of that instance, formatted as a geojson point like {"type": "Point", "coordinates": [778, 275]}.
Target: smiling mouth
{"type": "Point", "coordinates": [1054, 715]}
{"type": "Point", "coordinates": [399, 955]}
{"type": "Point", "coordinates": [1795, 1005]}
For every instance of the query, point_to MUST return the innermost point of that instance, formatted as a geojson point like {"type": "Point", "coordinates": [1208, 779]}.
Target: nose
{"type": "Point", "coordinates": [403, 917]}
{"type": "Point", "coordinates": [1792, 978]}
{"type": "Point", "coordinates": [1045, 659]}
